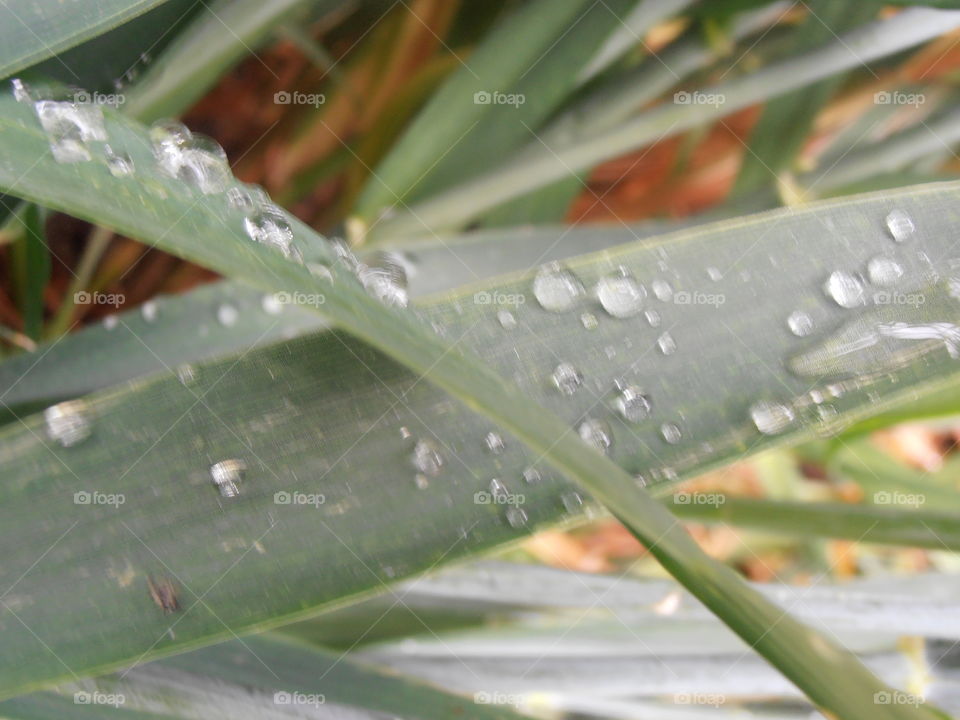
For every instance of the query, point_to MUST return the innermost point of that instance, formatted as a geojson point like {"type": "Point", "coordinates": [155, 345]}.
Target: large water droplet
{"type": "Point", "coordinates": [596, 433]}
{"type": "Point", "coordinates": [427, 458]}
{"type": "Point", "coordinates": [632, 404]}
{"type": "Point", "coordinates": [67, 423]}
{"type": "Point", "coordinates": [899, 225]}
{"type": "Point", "coordinates": [771, 418]}
{"type": "Point", "coordinates": [800, 323]}
{"type": "Point", "coordinates": [556, 288]}
{"type": "Point", "coordinates": [845, 289]}
{"type": "Point", "coordinates": [620, 295]}
{"type": "Point", "coordinates": [69, 128]}
{"type": "Point", "coordinates": [385, 279]}
{"type": "Point", "coordinates": [271, 304]}
{"type": "Point", "coordinates": [194, 159]}
{"type": "Point", "coordinates": [268, 226]}
{"type": "Point", "coordinates": [118, 163]}
{"type": "Point", "coordinates": [566, 378]}
{"type": "Point", "coordinates": [883, 271]}
{"type": "Point", "coordinates": [226, 475]}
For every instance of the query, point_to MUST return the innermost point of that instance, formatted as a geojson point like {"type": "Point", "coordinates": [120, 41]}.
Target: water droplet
{"type": "Point", "coordinates": [67, 423]}
{"type": "Point", "coordinates": [845, 289]}
{"type": "Point", "coordinates": [21, 91]}
{"type": "Point", "coordinates": [588, 320]}
{"type": "Point", "coordinates": [421, 481]}
{"type": "Point", "coordinates": [110, 322]}
{"type": "Point", "coordinates": [671, 433]}
{"type": "Point", "coordinates": [69, 128]}
{"type": "Point", "coordinates": [800, 323]}
{"type": "Point", "coordinates": [667, 344]}
{"type": "Point", "coordinates": [632, 404]}
{"type": "Point", "coordinates": [227, 315]}
{"type": "Point", "coordinates": [321, 272]}
{"type": "Point", "coordinates": [247, 197]}
{"type": "Point", "coordinates": [620, 295]}
{"type": "Point", "coordinates": [498, 490]}
{"type": "Point", "coordinates": [566, 378]}
{"type": "Point", "coordinates": [556, 289]}
{"type": "Point", "coordinates": [662, 290]}
{"type": "Point", "coordinates": [714, 274]}
{"type": "Point", "coordinates": [385, 279]}
{"type": "Point", "coordinates": [494, 442]}
{"type": "Point", "coordinates": [771, 418]}
{"type": "Point", "coordinates": [186, 374]}
{"type": "Point", "coordinates": [653, 318]}
{"type": "Point", "coordinates": [596, 433]}
{"type": "Point", "coordinates": [506, 319]}
{"type": "Point", "coordinates": [516, 517]}
{"type": "Point", "coordinates": [899, 225]}
{"type": "Point", "coordinates": [572, 502]}
{"type": "Point", "coordinates": [883, 270]}
{"type": "Point", "coordinates": [271, 304]}
{"type": "Point", "coordinates": [149, 311]}
{"type": "Point", "coordinates": [226, 475]}
{"type": "Point", "coordinates": [191, 158]}
{"type": "Point", "coordinates": [532, 475]}
{"type": "Point", "coordinates": [427, 458]}
{"type": "Point", "coordinates": [268, 226]}
{"type": "Point", "coordinates": [118, 163]}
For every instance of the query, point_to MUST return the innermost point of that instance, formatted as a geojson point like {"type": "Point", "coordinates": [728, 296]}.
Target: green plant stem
{"type": "Point", "coordinates": [96, 245]}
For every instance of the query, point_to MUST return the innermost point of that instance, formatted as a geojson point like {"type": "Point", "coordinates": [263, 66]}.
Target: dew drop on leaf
{"type": "Point", "coordinates": [118, 163]}
{"type": "Point", "coordinates": [506, 319]}
{"type": "Point", "coordinates": [226, 475]}
{"type": "Point", "coordinates": [67, 423]}
{"type": "Point", "coordinates": [227, 315]}
{"type": "Point", "coordinates": [493, 442]}
{"type": "Point", "coordinates": [671, 433]}
{"type": "Point", "coordinates": [771, 418]}
{"type": "Point", "coordinates": [899, 225]}
{"type": "Point", "coordinates": [845, 289]}
{"type": "Point", "coordinates": [620, 295]}
{"type": "Point", "coordinates": [149, 311]}
{"type": "Point", "coordinates": [427, 458]}
{"type": "Point", "coordinates": [69, 128]}
{"type": "Point", "coordinates": [532, 475]}
{"type": "Point", "coordinates": [556, 288]}
{"type": "Point", "coordinates": [632, 404]}
{"type": "Point", "coordinates": [596, 433]}
{"type": "Point", "coordinates": [882, 270]}
{"type": "Point", "coordinates": [516, 517]}
{"type": "Point", "coordinates": [667, 344]}
{"type": "Point", "coordinates": [800, 323]}
{"type": "Point", "coordinates": [566, 378]}
{"type": "Point", "coordinates": [662, 290]}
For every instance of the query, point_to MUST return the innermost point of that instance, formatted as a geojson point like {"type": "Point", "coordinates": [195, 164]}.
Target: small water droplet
{"type": "Point", "coordinates": [498, 490]}
{"type": "Point", "coordinates": [271, 304]}
{"type": "Point", "coordinates": [506, 319]}
{"type": "Point", "coordinates": [421, 481]}
{"type": "Point", "coordinates": [427, 458]}
{"type": "Point", "coordinates": [671, 433]}
{"type": "Point", "coordinates": [227, 315]}
{"type": "Point", "coordinates": [845, 289]}
{"type": "Point", "coordinates": [800, 323]}
{"type": "Point", "coordinates": [405, 433]}
{"type": "Point", "coordinates": [21, 91]}
{"type": "Point", "coordinates": [632, 404]}
{"type": "Point", "coordinates": [110, 322]}
{"type": "Point", "coordinates": [493, 442]}
{"type": "Point", "coordinates": [247, 197]}
{"type": "Point", "coordinates": [149, 311]}
{"type": "Point", "coordinates": [226, 475]}
{"type": "Point", "coordinates": [620, 295]}
{"type": "Point", "coordinates": [118, 163]}
{"type": "Point", "coordinates": [596, 433]}
{"type": "Point", "coordinates": [532, 475]}
{"type": "Point", "coordinates": [662, 290]}
{"type": "Point", "coordinates": [69, 128]}
{"type": "Point", "coordinates": [899, 225]}
{"type": "Point", "coordinates": [566, 378]}
{"type": "Point", "coordinates": [653, 318]}
{"type": "Point", "coordinates": [186, 374]}
{"type": "Point", "coordinates": [572, 502]}
{"type": "Point", "coordinates": [589, 321]}
{"type": "Point", "coordinates": [516, 517]}
{"type": "Point", "coordinates": [556, 288]}
{"type": "Point", "coordinates": [714, 274]}
{"type": "Point", "coordinates": [882, 270]}
{"type": "Point", "coordinates": [667, 344]}
{"type": "Point", "coordinates": [67, 423]}
{"type": "Point", "coordinates": [771, 418]}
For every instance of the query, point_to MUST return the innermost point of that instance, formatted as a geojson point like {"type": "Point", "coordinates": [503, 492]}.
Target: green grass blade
{"type": "Point", "coordinates": [457, 205]}
{"type": "Point", "coordinates": [169, 213]}
{"type": "Point", "coordinates": [31, 260]}
{"type": "Point", "coordinates": [31, 32]}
